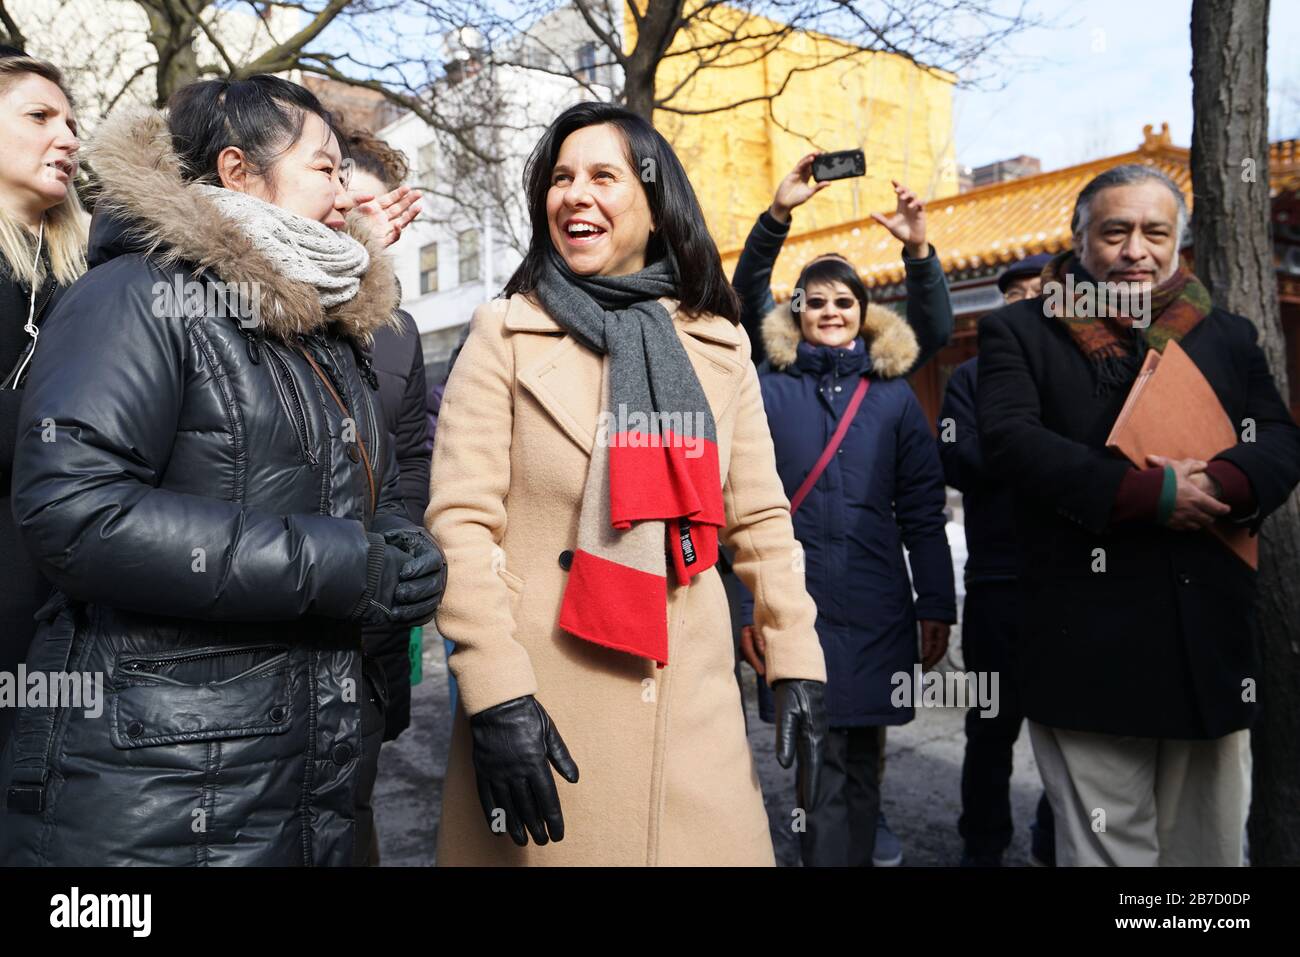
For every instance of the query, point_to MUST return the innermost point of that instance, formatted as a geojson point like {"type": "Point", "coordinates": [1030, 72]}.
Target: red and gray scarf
{"type": "Point", "coordinates": [1177, 305]}
{"type": "Point", "coordinates": [653, 492]}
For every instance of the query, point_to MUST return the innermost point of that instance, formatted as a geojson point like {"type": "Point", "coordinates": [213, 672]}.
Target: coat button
{"type": "Point", "coordinates": [342, 754]}
{"type": "Point", "coordinates": [134, 729]}
{"type": "Point", "coordinates": [277, 714]}
{"type": "Point", "coordinates": [354, 454]}
{"type": "Point", "coordinates": [566, 559]}
{"type": "Point", "coordinates": [839, 388]}
{"type": "Point", "coordinates": [1184, 579]}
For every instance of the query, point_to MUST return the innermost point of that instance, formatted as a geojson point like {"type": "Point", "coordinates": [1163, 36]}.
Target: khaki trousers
{"type": "Point", "coordinates": [1145, 802]}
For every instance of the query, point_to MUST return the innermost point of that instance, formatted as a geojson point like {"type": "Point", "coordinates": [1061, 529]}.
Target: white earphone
{"type": "Point", "coordinates": [30, 327]}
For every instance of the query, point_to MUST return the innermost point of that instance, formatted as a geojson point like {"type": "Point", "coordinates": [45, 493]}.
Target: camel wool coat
{"type": "Point", "coordinates": [666, 775]}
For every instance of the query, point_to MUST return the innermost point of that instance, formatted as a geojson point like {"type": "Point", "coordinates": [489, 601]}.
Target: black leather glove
{"type": "Point", "coordinates": [411, 582]}
{"type": "Point", "coordinates": [801, 728]}
{"type": "Point", "coordinates": [427, 562]}
{"type": "Point", "coordinates": [514, 743]}
{"type": "Point", "coordinates": [414, 541]}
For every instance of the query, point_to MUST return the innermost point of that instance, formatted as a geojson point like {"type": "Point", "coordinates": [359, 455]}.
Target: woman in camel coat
{"type": "Point", "coordinates": [666, 772]}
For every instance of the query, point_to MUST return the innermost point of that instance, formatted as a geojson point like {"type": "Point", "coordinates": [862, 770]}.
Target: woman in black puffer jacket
{"type": "Point", "coordinates": [202, 477]}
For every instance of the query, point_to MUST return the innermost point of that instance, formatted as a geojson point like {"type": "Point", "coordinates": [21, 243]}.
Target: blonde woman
{"type": "Point", "coordinates": [42, 250]}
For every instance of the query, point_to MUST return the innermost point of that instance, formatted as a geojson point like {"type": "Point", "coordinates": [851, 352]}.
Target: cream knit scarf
{"type": "Point", "coordinates": [302, 249]}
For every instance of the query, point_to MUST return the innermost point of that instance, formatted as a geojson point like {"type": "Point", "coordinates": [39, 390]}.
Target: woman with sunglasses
{"type": "Point", "coordinates": [832, 357]}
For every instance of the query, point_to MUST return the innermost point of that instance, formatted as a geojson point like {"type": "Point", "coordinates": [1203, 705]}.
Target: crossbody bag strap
{"type": "Point", "coordinates": [841, 429]}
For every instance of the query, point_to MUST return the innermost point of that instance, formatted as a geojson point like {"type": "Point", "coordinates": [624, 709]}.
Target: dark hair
{"type": "Point", "coordinates": [1128, 174]}
{"type": "Point", "coordinates": [262, 115]}
{"type": "Point", "coordinates": [680, 230]}
{"type": "Point", "coordinates": [831, 267]}
{"type": "Point", "coordinates": [374, 156]}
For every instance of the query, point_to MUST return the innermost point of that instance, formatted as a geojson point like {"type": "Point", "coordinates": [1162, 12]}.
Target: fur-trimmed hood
{"type": "Point", "coordinates": [890, 341]}
{"type": "Point", "coordinates": [169, 222]}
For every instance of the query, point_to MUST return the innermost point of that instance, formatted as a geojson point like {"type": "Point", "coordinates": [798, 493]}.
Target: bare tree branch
{"type": "Point", "coordinates": [610, 40]}
{"type": "Point", "coordinates": [135, 75]}
{"type": "Point", "coordinates": [13, 36]}
{"type": "Point", "coordinates": [760, 98]}
{"type": "Point", "coordinates": [283, 56]}
{"type": "Point", "coordinates": [216, 43]}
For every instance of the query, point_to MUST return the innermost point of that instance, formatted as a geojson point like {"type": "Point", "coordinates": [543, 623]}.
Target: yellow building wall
{"type": "Point", "coordinates": [897, 113]}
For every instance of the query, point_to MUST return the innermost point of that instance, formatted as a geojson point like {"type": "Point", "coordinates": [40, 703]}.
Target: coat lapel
{"type": "Point", "coordinates": [566, 379]}
{"type": "Point", "coordinates": [713, 345]}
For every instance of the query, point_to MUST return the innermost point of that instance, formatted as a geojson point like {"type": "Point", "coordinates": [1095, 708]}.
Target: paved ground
{"type": "Point", "coordinates": [921, 792]}
{"type": "Point", "coordinates": [408, 794]}
{"type": "Point", "coordinates": [921, 786]}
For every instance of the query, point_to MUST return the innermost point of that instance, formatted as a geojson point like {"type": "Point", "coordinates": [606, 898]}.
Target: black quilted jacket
{"type": "Point", "coordinates": [205, 493]}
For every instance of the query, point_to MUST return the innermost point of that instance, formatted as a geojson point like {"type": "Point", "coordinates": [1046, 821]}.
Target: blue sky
{"type": "Point", "coordinates": [1086, 89]}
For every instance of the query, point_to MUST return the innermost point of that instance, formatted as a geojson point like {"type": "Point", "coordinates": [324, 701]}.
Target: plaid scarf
{"type": "Point", "coordinates": [653, 489]}
{"type": "Point", "coordinates": [1177, 305]}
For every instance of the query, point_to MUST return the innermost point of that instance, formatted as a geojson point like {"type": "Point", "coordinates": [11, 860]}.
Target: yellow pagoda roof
{"type": "Point", "coordinates": [999, 224]}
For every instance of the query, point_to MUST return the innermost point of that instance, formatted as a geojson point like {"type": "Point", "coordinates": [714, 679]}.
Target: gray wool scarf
{"type": "Point", "coordinates": [653, 488]}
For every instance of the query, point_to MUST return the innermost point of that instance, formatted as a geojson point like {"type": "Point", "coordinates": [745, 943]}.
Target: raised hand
{"type": "Point", "coordinates": [907, 222]}
{"type": "Point", "coordinates": [390, 213]}
{"type": "Point", "coordinates": [795, 189]}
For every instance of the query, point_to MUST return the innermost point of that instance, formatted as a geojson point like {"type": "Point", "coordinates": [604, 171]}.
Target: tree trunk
{"type": "Point", "coordinates": [655, 33]}
{"type": "Point", "coordinates": [639, 88]}
{"type": "Point", "coordinates": [1234, 257]}
{"type": "Point", "coordinates": [172, 31]}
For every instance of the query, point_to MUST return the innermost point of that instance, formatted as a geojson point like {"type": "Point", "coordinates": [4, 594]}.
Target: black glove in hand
{"type": "Point", "coordinates": [413, 541]}
{"type": "Point", "coordinates": [410, 586]}
{"type": "Point", "coordinates": [515, 746]}
{"type": "Point", "coordinates": [427, 561]}
{"type": "Point", "coordinates": [801, 728]}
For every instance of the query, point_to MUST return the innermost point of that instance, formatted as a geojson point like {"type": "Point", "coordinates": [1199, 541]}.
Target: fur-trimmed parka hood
{"type": "Point", "coordinates": [890, 341]}
{"type": "Point", "coordinates": [162, 217]}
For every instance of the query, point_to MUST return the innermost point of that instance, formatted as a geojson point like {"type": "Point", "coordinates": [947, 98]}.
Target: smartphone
{"type": "Point", "coordinates": [840, 165]}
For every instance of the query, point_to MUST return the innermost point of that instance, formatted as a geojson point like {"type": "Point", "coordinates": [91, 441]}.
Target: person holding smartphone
{"type": "Point", "coordinates": [880, 489]}
{"type": "Point", "coordinates": [929, 311]}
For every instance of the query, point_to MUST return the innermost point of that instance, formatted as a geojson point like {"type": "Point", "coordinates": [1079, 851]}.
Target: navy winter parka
{"type": "Point", "coordinates": [883, 491]}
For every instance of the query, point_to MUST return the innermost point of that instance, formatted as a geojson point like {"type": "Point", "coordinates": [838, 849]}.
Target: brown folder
{"type": "Point", "coordinates": [1172, 411]}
